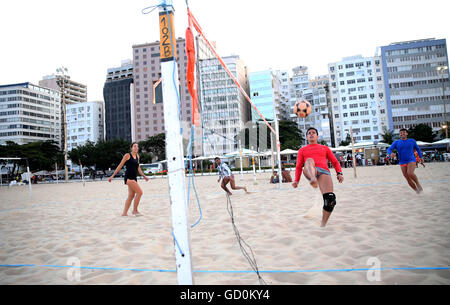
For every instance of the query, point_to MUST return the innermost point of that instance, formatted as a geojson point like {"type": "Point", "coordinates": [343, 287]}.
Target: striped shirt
{"type": "Point", "coordinates": [223, 170]}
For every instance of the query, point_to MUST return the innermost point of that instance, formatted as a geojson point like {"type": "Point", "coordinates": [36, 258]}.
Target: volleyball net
{"type": "Point", "coordinates": [221, 105]}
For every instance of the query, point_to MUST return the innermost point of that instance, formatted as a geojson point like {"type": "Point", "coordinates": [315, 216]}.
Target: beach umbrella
{"type": "Point", "coordinates": [288, 152]}
{"type": "Point", "coordinates": [444, 141]}
{"type": "Point", "coordinates": [420, 143]}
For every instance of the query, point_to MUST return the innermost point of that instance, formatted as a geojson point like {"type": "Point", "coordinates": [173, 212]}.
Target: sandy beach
{"type": "Point", "coordinates": [379, 222]}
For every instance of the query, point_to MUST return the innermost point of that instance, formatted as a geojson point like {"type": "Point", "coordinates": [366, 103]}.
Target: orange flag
{"type": "Point", "coordinates": [191, 77]}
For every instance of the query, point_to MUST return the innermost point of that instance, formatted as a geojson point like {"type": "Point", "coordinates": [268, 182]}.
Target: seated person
{"type": "Point", "coordinates": [286, 175]}
{"type": "Point", "coordinates": [274, 178]}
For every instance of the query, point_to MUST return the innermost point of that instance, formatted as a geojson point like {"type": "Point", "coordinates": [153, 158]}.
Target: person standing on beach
{"type": "Point", "coordinates": [406, 158]}
{"type": "Point", "coordinates": [312, 160]}
{"type": "Point", "coordinates": [227, 177]}
{"type": "Point", "coordinates": [131, 162]}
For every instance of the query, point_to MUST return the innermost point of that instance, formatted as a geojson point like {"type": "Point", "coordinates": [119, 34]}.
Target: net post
{"type": "Point", "coordinates": [29, 179]}
{"type": "Point", "coordinates": [174, 145]}
{"type": "Point", "coordinates": [353, 151]}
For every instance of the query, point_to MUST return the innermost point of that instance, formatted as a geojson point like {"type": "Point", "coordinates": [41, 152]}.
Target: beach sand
{"type": "Point", "coordinates": [379, 222]}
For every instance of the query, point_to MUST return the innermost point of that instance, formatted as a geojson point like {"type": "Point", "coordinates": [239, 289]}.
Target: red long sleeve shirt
{"type": "Point", "coordinates": [320, 154]}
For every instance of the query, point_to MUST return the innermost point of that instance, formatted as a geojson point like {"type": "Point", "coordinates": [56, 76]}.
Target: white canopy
{"type": "Point", "coordinates": [360, 145]}
{"type": "Point", "coordinates": [288, 152]}
{"type": "Point", "coordinates": [341, 148]}
{"type": "Point", "coordinates": [203, 158]}
{"type": "Point", "coordinates": [444, 141]}
{"type": "Point", "coordinates": [245, 152]}
{"type": "Point", "coordinates": [420, 143]}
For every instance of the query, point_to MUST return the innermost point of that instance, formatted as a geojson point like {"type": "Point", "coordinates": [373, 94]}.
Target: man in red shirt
{"type": "Point", "coordinates": [312, 159]}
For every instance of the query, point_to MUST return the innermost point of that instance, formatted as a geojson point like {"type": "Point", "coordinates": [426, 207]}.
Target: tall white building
{"type": "Point", "coordinates": [300, 86]}
{"type": "Point", "coordinates": [29, 113]}
{"type": "Point", "coordinates": [85, 122]}
{"type": "Point", "coordinates": [418, 93]}
{"type": "Point", "coordinates": [266, 94]}
{"type": "Point", "coordinates": [358, 98]}
{"type": "Point", "coordinates": [224, 110]}
{"type": "Point", "coordinates": [320, 116]}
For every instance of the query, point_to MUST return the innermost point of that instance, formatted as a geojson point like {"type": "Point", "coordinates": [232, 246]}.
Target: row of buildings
{"type": "Point", "coordinates": [399, 87]}
{"type": "Point", "coordinates": [31, 113]}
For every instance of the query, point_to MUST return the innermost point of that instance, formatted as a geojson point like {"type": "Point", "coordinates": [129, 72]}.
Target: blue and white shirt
{"type": "Point", "coordinates": [224, 170]}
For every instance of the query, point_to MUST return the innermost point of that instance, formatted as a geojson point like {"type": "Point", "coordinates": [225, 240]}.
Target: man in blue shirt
{"type": "Point", "coordinates": [227, 176]}
{"type": "Point", "coordinates": [406, 159]}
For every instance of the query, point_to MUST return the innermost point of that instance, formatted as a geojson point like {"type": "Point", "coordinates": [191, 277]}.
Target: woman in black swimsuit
{"type": "Point", "coordinates": [131, 161]}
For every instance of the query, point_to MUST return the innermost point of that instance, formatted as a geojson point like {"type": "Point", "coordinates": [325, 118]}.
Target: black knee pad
{"type": "Point", "coordinates": [329, 202]}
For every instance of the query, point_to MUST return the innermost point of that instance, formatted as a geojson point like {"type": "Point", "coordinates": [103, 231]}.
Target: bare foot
{"type": "Point", "coordinates": [137, 214]}
{"type": "Point", "coordinates": [245, 189]}
{"type": "Point", "coordinates": [419, 189]}
{"type": "Point", "coordinates": [124, 215]}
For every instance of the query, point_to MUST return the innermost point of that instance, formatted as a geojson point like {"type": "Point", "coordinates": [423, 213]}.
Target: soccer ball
{"type": "Point", "coordinates": [302, 108]}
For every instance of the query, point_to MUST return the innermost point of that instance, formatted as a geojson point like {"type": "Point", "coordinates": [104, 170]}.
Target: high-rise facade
{"type": "Point", "coordinates": [118, 94]}
{"type": "Point", "coordinates": [320, 116]}
{"type": "Point", "coordinates": [357, 99]}
{"type": "Point", "coordinates": [266, 94]}
{"type": "Point", "coordinates": [29, 113]}
{"type": "Point", "coordinates": [149, 117]}
{"type": "Point", "coordinates": [414, 86]}
{"type": "Point", "coordinates": [224, 110]}
{"type": "Point", "coordinates": [75, 92]}
{"type": "Point", "coordinates": [84, 123]}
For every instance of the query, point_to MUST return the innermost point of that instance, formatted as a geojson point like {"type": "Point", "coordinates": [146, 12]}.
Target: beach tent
{"type": "Point", "coordinates": [341, 148]}
{"type": "Point", "coordinates": [288, 152]}
{"type": "Point", "coordinates": [245, 152]}
{"type": "Point", "coordinates": [42, 173]}
{"type": "Point", "coordinates": [420, 143]}
{"type": "Point", "coordinates": [441, 142]}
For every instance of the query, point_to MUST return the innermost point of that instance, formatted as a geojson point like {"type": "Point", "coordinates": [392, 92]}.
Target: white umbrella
{"type": "Point", "coordinates": [342, 148]}
{"type": "Point", "coordinates": [288, 152]}
{"type": "Point", "coordinates": [245, 152]}
{"type": "Point", "coordinates": [420, 143]}
{"type": "Point", "coordinates": [444, 141]}
{"type": "Point", "coordinates": [41, 173]}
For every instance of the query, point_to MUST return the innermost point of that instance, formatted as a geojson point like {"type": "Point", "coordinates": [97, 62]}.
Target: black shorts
{"type": "Point", "coordinates": [129, 178]}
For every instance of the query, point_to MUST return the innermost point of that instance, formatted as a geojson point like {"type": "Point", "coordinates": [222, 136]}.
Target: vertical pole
{"type": "Point", "coordinates": [174, 146]}
{"type": "Point", "coordinates": [273, 157]}
{"type": "Point", "coordinates": [29, 179]}
{"type": "Point", "coordinates": [240, 160]}
{"type": "Point", "coordinates": [278, 150]}
{"type": "Point", "coordinates": [444, 100]}
{"type": "Point", "coordinates": [66, 172]}
{"type": "Point", "coordinates": [81, 170]}
{"type": "Point", "coordinates": [254, 170]}
{"type": "Point", "coordinates": [56, 172]}
{"type": "Point", "coordinates": [353, 152]}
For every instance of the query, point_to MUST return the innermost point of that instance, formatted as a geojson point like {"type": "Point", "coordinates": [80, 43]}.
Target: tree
{"type": "Point", "coordinates": [388, 137]}
{"type": "Point", "coordinates": [155, 146]}
{"type": "Point", "coordinates": [41, 155]}
{"type": "Point", "coordinates": [291, 137]}
{"type": "Point", "coordinates": [86, 154]}
{"type": "Point", "coordinates": [421, 132]}
{"type": "Point", "coordinates": [108, 154]}
{"type": "Point", "coordinates": [347, 141]}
